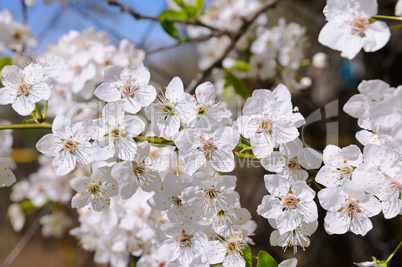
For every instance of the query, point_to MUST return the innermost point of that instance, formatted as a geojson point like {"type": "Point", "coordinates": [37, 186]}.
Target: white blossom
{"type": "Point", "coordinates": [267, 120]}
{"type": "Point", "coordinates": [289, 204]}
{"type": "Point", "coordinates": [95, 190]}
{"type": "Point", "coordinates": [23, 88]}
{"type": "Point", "coordinates": [131, 85]}
{"type": "Point", "coordinates": [351, 28]}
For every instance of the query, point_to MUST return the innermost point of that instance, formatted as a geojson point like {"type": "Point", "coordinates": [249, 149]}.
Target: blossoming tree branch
{"type": "Point", "coordinates": [148, 168]}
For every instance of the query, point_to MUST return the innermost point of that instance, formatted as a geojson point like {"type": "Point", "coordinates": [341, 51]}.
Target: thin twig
{"type": "Point", "coordinates": [100, 22]}
{"type": "Point", "coordinates": [236, 36]}
{"type": "Point", "coordinates": [24, 13]}
{"type": "Point", "coordinates": [43, 125]}
{"type": "Point", "coordinates": [138, 16]}
{"type": "Point", "coordinates": [192, 40]}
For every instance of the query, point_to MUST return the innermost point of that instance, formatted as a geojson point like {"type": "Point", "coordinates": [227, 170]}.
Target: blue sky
{"type": "Point", "coordinates": [51, 21]}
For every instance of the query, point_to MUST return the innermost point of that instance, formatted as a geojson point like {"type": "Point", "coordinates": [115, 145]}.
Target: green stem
{"type": "Point", "coordinates": [213, 175]}
{"type": "Point", "coordinates": [45, 111]}
{"type": "Point", "coordinates": [245, 149]}
{"type": "Point", "coordinates": [395, 27]}
{"type": "Point", "coordinates": [387, 17]}
{"type": "Point", "coordinates": [43, 125]}
{"type": "Point", "coordinates": [76, 97]}
{"type": "Point", "coordinates": [315, 183]}
{"type": "Point", "coordinates": [393, 253]}
{"type": "Point", "coordinates": [154, 140]}
{"type": "Point", "coordinates": [245, 155]}
{"type": "Point", "coordinates": [151, 139]}
{"type": "Point", "coordinates": [37, 114]}
{"type": "Point", "coordinates": [177, 163]}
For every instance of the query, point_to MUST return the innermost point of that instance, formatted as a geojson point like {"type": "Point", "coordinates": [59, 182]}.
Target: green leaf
{"type": "Point", "coordinates": [199, 3]}
{"type": "Point", "coordinates": [173, 14]}
{"type": "Point", "coordinates": [238, 85]}
{"type": "Point", "coordinates": [4, 62]}
{"type": "Point", "coordinates": [244, 144]}
{"type": "Point", "coordinates": [180, 3]}
{"type": "Point", "coordinates": [165, 19]}
{"type": "Point", "coordinates": [265, 260]}
{"type": "Point", "coordinates": [241, 65]}
{"type": "Point", "coordinates": [247, 256]}
{"type": "Point", "coordinates": [191, 10]}
{"type": "Point", "coordinates": [184, 40]}
{"type": "Point", "coordinates": [170, 28]}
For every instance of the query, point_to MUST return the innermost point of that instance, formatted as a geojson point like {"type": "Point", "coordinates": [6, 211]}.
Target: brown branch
{"type": "Point", "coordinates": [191, 40]}
{"type": "Point", "coordinates": [138, 16]}
{"type": "Point", "coordinates": [235, 37]}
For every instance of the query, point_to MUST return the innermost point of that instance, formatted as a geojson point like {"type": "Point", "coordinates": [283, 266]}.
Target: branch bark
{"type": "Point", "coordinates": [191, 40]}
{"type": "Point", "coordinates": [235, 37]}
{"type": "Point", "coordinates": [138, 16]}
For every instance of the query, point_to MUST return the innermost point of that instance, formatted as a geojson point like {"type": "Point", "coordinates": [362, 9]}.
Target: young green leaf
{"type": "Point", "coordinates": [241, 65]}
{"type": "Point", "coordinates": [266, 260]}
{"type": "Point", "coordinates": [238, 85]}
{"type": "Point", "coordinates": [247, 256]}
{"type": "Point", "coordinates": [170, 28]}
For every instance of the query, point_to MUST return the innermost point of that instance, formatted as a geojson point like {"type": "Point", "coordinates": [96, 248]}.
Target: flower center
{"type": "Point", "coordinates": [211, 193]}
{"type": "Point", "coordinates": [23, 89]}
{"type": "Point", "coordinates": [351, 207]}
{"type": "Point", "coordinates": [201, 110]}
{"type": "Point", "coordinates": [292, 164]}
{"type": "Point", "coordinates": [221, 213]}
{"type": "Point", "coordinates": [207, 147]}
{"type": "Point", "coordinates": [115, 133]}
{"type": "Point", "coordinates": [265, 126]}
{"type": "Point", "coordinates": [185, 240]}
{"type": "Point", "coordinates": [69, 145]}
{"type": "Point", "coordinates": [168, 109]}
{"type": "Point", "coordinates": [127, 90]}
{"type": "Point", "coordinates": [289, 202]}
{"type": "Point", "coordinates": [107, 62]}
{"type": "Point", "coordinates": [232, 246]}
{"type": "Point", "coordinates": [95, 188]}
{"type": "Point", "coordinates": [394, 185]}
{"type": "Point", "coordinates": [138, 170]}
{"type": "Point", "coordinates": [177, 201]}
{"type": "Point", "coordinates": [346, 171]}
{"type": "Point", "coordinates": [77, 69]}
{"type": "Point", "coordinates": [359, 26]}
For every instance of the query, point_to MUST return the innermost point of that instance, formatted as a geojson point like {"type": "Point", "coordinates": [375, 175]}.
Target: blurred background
{"type": "Point", "coordinates": [331, 87]}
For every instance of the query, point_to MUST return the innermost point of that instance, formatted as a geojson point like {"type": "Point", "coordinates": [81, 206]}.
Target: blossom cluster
{"type": "Point", "coordinates": [14, 36]}
{"type": "Point", "coordinates": [149, 174]}
{"type": "Point", "coordinates": [86, 56]}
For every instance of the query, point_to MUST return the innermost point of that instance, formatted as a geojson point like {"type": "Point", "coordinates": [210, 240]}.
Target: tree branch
{"type": "Point", "coordinates": [191, 40]}
{"type": "Point", "coordinates": [138, 16]}
{"type": "Point", "coordinates": [43, 125]}
{"type": "Point", "coordinates": [235, 37]}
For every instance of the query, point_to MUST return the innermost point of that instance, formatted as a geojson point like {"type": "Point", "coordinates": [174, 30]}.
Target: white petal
{"type": "Point", "coordinates": [214, 252]}
{"type": "Point", "coordinates": [112, 74]}
{"type": "Point", "coordinates": [205, 93]}
{"type": "Point", "coordinates": [175, 90]}
{"type": "Point", "coordinates": [309, 158]}
{"type": "Point", "coordinates": [107, 92]}
{"type": "Point", "coordinates": [63, 163]}
{"type": "Point", "coordinates": [146, 95]}
{"type": "Point", "coordinates": [7, 95]}
{"type": "Point", "coordinates": [336, 223]}
{"type": "Point", "coordinates": [223, 160]}
{"type": "Point", "coordinates": [23, 106]}
{"type": "Point", "coordinates": [48, 145]}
